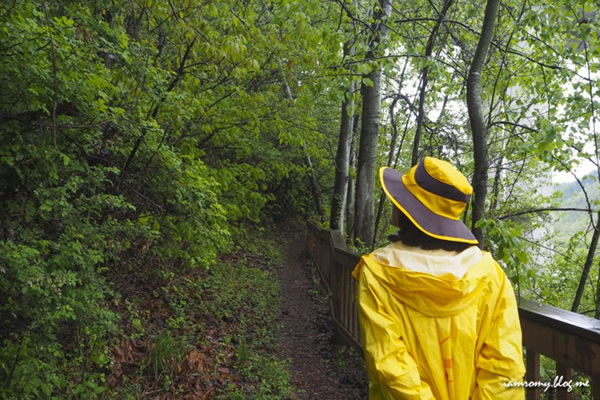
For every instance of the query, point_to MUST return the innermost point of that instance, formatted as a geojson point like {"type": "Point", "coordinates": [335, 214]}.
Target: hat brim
{"type": "Point", "coordinates": [432, 224]}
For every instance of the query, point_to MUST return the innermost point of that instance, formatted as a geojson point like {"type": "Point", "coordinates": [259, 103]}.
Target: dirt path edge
{"type": "Point", "coordinates": [319, 368]}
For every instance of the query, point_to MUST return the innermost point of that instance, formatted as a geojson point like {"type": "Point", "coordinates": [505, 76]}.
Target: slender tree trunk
{"type": "Point", "coordinates": [350, 207]}
{"type": "Point", "coordinates": [312, 177]}
{"type": "Point", "coordinates": [391, 153]}
{"type": "Point", "coordinates": [342, 158]}
{"type": "Point", "coordinates": [392, 161]}
{"type": "Point", "coordinates": [342, 165]}
{"type": "Point", "coordinates": [424, 80]}
{"type": "Point", "coordinates": [595, 237]}
{"type": "Point", "coordinates": [369, 136]}
{"type": "Point", "coordinates": [496, 186]}
{"type": "Point", "coordinates": [367, 158]}
{"type": "Point", "coordinates": [477, 119]}
{"type": "Point", "coordinates": [597, 312]}
{"type": "Point", "coordinates": [351, 197]}
{"type": "Point", "coordinates": [586, 269]}
{"type": "Point", "coordinates": [314, 185]}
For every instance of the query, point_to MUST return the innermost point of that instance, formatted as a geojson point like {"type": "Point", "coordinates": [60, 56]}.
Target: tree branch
{"type": "Point", "coordinates": [513, 124]}
{"type": "Point", "coordinates": [540, 210]}
{"type": "Point", "coordinates": [138, 142]}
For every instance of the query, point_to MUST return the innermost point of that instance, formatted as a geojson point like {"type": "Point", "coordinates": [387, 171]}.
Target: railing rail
{"type": "Point", "coordinates": [571, 339]}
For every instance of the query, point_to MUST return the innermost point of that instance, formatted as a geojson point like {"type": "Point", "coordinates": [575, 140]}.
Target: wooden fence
{"type": "Point", "coordinates": [571, 339]}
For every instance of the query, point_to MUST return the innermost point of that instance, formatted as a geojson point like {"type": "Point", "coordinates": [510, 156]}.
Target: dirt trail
{"type": "Point", "coordinates": [307, 336]}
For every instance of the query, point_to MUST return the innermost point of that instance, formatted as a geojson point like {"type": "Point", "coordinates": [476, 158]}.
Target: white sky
{"type": "Point", "coordinates": [582, 170]}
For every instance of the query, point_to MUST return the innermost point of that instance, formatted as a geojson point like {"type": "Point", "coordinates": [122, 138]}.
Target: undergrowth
{"type": "Point", "coordinates": [207, 333]}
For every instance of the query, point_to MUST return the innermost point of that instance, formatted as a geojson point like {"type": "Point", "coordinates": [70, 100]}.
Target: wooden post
{"type": "Point", "coordinates": [563, 374]}
{"type": "Point", "coordinates": [596, 387]}
{"type": "Point", "coordinates": [533, 374]}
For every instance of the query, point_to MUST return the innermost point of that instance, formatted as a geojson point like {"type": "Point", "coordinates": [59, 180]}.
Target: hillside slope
{"type": "Point", "coordinates": [568, 223]}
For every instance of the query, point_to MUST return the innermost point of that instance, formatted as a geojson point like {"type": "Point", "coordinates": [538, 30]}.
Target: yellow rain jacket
{"type": "Point", "coordinates": [438, 325]}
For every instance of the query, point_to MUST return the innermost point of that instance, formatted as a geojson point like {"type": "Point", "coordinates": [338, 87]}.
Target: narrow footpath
{"type": "Point", "coordinates": [318, 369]}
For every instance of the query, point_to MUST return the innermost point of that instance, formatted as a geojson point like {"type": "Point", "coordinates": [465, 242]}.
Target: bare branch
{"type": "Point", "coordinates": [513, 124]}
{"type": "Point", "coordinates": [541, 210]}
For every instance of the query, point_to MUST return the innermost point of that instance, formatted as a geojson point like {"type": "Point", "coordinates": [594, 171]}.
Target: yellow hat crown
{"type": "Point", "coordinates": [439, 186]}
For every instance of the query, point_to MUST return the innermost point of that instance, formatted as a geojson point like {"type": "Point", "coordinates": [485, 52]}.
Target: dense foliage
{"type": "Point", "coordinates": [139, 139]}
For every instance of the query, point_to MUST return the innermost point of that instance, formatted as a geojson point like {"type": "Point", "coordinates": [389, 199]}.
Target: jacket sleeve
{"type": "Point", "coordinates": [499, 365]}
{"type": "Point", "coordinates": [392, 371]}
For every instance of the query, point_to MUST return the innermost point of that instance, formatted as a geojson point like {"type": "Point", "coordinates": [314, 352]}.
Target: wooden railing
{"type": "Point", "coordinates": [571, 339]}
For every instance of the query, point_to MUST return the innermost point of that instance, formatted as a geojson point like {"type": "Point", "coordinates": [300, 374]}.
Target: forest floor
{"type": "Point", "coordinates": [226, 347]}
{"type": "Point", "coordinates": [319, 368]}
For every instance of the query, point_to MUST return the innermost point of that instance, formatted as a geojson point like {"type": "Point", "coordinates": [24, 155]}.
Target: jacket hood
{"type": "Point", "coordinates": [436, 283]}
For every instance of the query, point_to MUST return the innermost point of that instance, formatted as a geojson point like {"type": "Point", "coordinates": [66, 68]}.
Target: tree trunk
{"type": "Point", "coordinates": [496, 185]}
{"type": "Point", "coordinates": [367, 158]}
{"type": "Point", "coordinates": [597, 312]}
{"type": "Point", "coordinates": [342, 165]}
{"type": "Point", "coordinates": [351, 197]}
{"type": "Point", "coordinates": [424, 79]}
{"type": "Point", "coordinates": [314, 185]}
{"type": "Point", "coordinates": [587, 267]}
{"type": "Point", "coordinates": [342, 157]}
{"type": "Point", "coordinates": [369, 136]}
{"type": "Point", "coordinates": [391, 152]}
{"type": "Point", "coordinates": [476, 117]}
{"type": "Point", "coordinates": [312, 177]}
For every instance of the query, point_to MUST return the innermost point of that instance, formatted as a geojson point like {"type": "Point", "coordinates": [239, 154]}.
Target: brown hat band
{"type": "Point", "coordinates": [432, 185]}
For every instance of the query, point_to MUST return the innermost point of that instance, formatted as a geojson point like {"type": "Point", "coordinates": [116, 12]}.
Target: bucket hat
{"type": "Point", "coordinates": [433, 195]}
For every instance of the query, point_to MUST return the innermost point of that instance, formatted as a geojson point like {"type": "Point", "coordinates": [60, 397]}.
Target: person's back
{"type": "Point", "coordinates": [438, 317]}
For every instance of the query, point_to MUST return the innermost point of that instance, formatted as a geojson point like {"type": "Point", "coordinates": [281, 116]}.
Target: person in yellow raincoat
{"type": "Point", "coordinates": [438, 316]}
